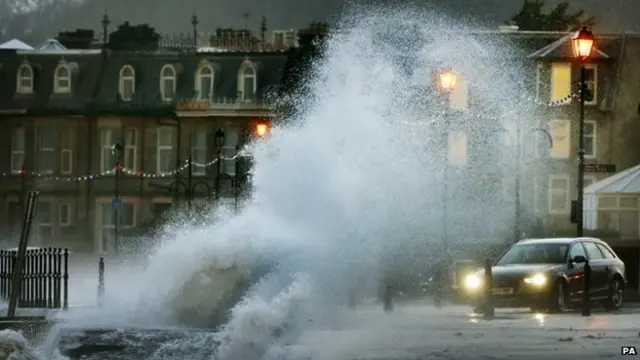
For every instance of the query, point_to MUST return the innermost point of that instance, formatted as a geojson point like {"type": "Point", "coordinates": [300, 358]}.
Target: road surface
{"type": "Point", "coordinates": [419, 331]}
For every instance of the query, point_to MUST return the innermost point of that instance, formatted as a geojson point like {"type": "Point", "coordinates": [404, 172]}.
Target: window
{"type": "Point", "coordinates": [66, 152]}
{"type": "Point", "coordinates": [608, 254]}
{"type": "Point", "coordinates": [558, 194]}
{"type": "Point", "coordinates": [577, 250]}
{"type": "Point", "coordinates": [539, 203]}
{"type": "Point", "coordinates": [229, 150]}
{"type": "Point", "coordinates": [164, 150]}
{"type": "Point", "coordinates": [561, 82]}
{"type": "Point", "coordinates": [247, 82]}
{"type": "Point", "coordinates": [561, 135]}
{"type": "Point", "coordinates": [592, 250]}
{"type": "Point", "coordinates": [168, 83]}
{"type": "Point", "coordinates": [17, 150]}
{"type": "Point", "coordinates": [47, 156]}
{"type": "Point", "coordinates": [539, 80]}
{"type": "Point", "coordinates": [44, 219]}
{"type": "Point", "coordinates": [62, 80]}
{"type": "Point", "coordinates": [127, 84]}
{"type": "Point", "coordinates": [14, 218]}
{"type": "Point", "coordinates": [25, 80]}
{"type": "Point", "coordinates": [131, 149]}
{"type": "Point", "coordinates": [620, 214]}
{"type": "Point", "coordinates": [127, 220]}
{"type": "Point", "coordinates": [108, 138]}
{"type": "Point", "coordinates": [591, 80]}
{"type": "Point", "coordinates": [590, 139]}
{"type": "Point", "coordinates": [458, 148]}
{"type": "Point", "coordinates": [204, 83]}
{"type": "Point", "coordinates": [64, 214]}
{"type": "Point", "coordinates": [199, 151]}
{"type": "Point", "coordinates": [459, 97]}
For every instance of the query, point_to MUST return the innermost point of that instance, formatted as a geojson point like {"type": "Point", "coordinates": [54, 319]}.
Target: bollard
{"type": "Point", "coordinates": [101, 283]}
{"type": "Point", "coordinates": [388, 299]}
{"type": "Point", "coordinates": [586, 296]}
{"type": "Point", "coordinates": [488, 308]}
{"type": "Point", "coordinates": [351, 301]}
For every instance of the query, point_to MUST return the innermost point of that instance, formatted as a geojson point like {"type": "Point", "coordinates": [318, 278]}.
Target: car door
{"type": "Point", "coordinates": [610, 260]}
{"type": "Point", "coordinates": [599, 272]}
{"type": "Point", "coordinates": [575, 272]}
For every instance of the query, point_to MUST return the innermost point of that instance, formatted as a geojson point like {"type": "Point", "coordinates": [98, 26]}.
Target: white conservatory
{"type": "Point", "coordinates": [613, 204]}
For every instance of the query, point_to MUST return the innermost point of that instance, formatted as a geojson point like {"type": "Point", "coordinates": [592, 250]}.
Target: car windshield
{"type": "Point", "coordinates": [533, 253]}
{"type": "Point", "coordinates": [137, 344]}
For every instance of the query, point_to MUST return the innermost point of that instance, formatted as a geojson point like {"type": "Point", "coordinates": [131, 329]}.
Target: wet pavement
{"type": "Point", "coordinates": [420, 331]}
{"type": "Point", "coordinates": [414, 330]}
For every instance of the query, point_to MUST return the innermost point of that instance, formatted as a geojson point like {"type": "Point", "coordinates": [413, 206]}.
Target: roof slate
{"type": "Point", "coordinates": [95, 78]}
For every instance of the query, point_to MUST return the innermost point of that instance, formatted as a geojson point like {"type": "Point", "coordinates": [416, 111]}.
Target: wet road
{"type": "Point", "coordinates": [419, 331]}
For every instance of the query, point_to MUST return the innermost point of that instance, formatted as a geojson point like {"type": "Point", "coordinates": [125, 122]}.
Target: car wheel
{"type": "Point", "coordinates": [559, 297]}
{"type": "Point", "coordinates": [616, 295]}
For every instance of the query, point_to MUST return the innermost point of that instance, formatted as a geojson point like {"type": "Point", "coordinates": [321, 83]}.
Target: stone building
{"type": "Point", "coordinates": [105, 134]}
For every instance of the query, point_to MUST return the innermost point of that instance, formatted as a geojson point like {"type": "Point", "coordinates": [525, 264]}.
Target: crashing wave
{"type": "Point", "coordinates": [14, 346]}
{"type": "Point", "coordinates": [260, 329]}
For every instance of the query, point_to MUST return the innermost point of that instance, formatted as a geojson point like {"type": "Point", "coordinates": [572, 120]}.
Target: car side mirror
{"type": "Point", "coordinates": [579, 259]}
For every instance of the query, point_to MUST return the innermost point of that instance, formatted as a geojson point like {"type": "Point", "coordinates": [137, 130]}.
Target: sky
{"type": "Point", "coordinates": [174, 16]}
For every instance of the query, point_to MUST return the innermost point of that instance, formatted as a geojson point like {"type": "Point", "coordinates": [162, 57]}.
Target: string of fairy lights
{"type": "Point", "coordinates": [25, 173]}
{"type": "Point", "coordinates": [483, 116]}
{"type": "Point", "coordinates": [123, 171]}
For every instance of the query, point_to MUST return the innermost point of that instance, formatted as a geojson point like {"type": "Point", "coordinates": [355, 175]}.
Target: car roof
{"type": "Point", "coordinates": [564, 240]}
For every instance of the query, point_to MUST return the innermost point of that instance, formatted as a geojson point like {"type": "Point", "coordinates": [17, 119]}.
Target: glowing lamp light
{"type": "Point", "coordinates": [262, 129]}
{"type": "Point", "coordinates": [448, 80]}
{"type": "Point", "coordinates": [582, 43]}
{"type": "Point", "coordinates": [536, 280]}
{"type": "Point", "coordinates": [472, 282]}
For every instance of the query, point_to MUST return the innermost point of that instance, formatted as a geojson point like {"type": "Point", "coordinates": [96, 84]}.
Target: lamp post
{"type": "Point", "coordinates": [219, 139]}
{"type": "Point", "coordinates": [116, 150]}
{"type": "Point", "coordinates": [518, 160]}
{"type": "Point", "coordinates": [447, 80]}
{"type": "Point", "coordinates": [582, 44]}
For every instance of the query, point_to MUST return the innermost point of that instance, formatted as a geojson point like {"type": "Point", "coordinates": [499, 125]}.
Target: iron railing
{"type": "Point", "coordinates": [45, 278]}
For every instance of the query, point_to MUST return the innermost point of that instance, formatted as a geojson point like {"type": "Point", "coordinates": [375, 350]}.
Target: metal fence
{"type": "Point", "coordinates": [44, 279]}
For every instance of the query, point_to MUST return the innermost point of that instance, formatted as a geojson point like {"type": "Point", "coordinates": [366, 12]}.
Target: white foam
{"type": "Point", "coordinates": [345, 193]}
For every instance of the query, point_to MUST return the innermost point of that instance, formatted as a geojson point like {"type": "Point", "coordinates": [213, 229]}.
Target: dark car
{"type": "Point", "coordinates": [548, 274]}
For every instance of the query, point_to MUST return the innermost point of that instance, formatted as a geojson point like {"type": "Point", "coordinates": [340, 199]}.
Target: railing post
{"type": "Point", "coordinates": [49, 276]}
{"type": "Point", "coordinates": [65, 280]}
{"type": "Point", "coordinates": [388, 298]}
{"type": "Point", "coordinates": [101, 283]}
{"type": "Point", "coordinates": [586, 296]}
{"type": "Point", "coordinates": [58, 278]}
{"type": "Point", "coordinates": [3, 276]}
{"type": "Point", "coordinates": [42, 276]}
{"type": "Point", "coordinates": [489, 310]}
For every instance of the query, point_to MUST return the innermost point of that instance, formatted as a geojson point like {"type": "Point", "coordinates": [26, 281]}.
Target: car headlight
{"type": "Point", "coordinates": [536, 280]}
{"type": "Point", "coordinates": [472, 282]}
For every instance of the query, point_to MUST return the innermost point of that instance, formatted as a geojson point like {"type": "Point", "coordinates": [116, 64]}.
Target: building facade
{"type": "Point", "coordinates": [105, 134]}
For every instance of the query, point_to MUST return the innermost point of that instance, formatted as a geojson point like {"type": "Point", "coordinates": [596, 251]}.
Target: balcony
{"type": "Point", "coordinates": [225, 107]}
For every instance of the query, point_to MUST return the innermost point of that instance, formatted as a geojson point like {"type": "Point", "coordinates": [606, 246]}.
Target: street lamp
{"type": "Point", "coordinates": [582, 43]}
{"type": "Point", "coordinates": [219, 139]}
{"type": "Point", "coordinates": [116, 151]}
{"type": "Point", "coordinates": [262, 128]}
{"type": "Point", "coordinates": [447, 80]}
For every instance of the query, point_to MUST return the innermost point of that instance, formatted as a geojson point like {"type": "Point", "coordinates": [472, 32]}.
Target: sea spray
{"type": "Point", "coordinates": [14, 346]}
{"type": "Point", "coordinates": [260, 329]}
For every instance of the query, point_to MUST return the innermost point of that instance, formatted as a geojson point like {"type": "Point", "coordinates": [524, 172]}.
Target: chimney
{"type": "Point", "coordinates": [80, 39]}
